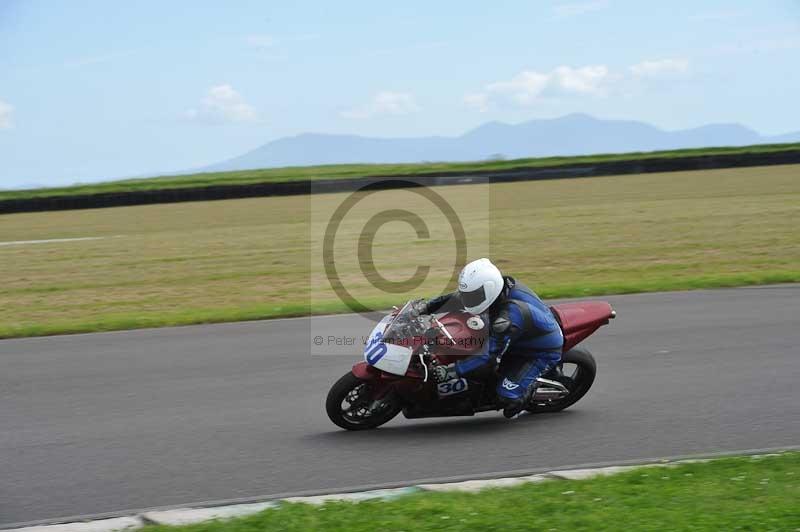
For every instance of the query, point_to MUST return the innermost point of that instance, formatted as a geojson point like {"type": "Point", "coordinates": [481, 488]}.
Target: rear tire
{"type": "Point", "coordinates": [359, 414]}
{"type": "Point", "coordinates": [578, 384]}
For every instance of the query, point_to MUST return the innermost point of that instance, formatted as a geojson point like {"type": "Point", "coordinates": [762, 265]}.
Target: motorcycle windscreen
{"type": "Point", "coordinates": [386, 357]}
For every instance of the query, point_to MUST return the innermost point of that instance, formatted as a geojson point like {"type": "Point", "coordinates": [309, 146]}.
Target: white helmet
{"type": "Point", "coordinates": [479, 285]}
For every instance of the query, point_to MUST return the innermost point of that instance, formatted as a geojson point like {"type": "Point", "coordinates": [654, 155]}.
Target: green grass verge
{"type": "Point", "coordinates": [126, 321]}
{"type": "Point", "coordinates": [743, 493]}
{"type": "Point", "coordinates": [203, 262]}
{"type": "Point", "coordinates": [343, 171]}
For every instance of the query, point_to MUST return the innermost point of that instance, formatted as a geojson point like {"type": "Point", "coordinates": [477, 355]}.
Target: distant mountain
{"type": "Point", "coordinates": [785, 138]}
{"type": "Point", "coordinates": [574, 134]}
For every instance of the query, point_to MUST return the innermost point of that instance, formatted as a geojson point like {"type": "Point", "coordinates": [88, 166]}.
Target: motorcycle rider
{"type": "Point", "coordinates": [524, 337]}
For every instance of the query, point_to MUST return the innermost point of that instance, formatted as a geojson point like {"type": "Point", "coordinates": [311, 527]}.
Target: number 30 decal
{"type": "Point", "coordinates": [452, 387]}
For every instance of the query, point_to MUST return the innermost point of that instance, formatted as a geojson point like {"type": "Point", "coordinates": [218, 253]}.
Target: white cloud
{"type": "Point", "coordinates": [585, 80]}
{"type": "Point", "coordinates": [529, 86]}
{"type": "Point", "coordinates": [6, 110]}
{"type": "Point", "coordinates": [477, 100]}
{"type": "Point", "coordinates": [525, 87]}
{"type": "Point", "coordinates": [259, 41]}
{"type": "Point", "coordinates": [385, 103]}
{"type": "Point", "coordinates": [579, 8]}
{"type": "Point", "coordinates": [660, 68]}
{"type": "Point", "coordinates": [221, 104]}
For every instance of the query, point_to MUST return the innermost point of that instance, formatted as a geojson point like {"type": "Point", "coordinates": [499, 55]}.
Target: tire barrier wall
{"type": "Point", "coordinates": [292, 188]}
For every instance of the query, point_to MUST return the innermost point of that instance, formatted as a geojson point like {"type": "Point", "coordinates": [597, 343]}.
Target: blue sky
{"type": "Point", "coordinates": [95, 90]}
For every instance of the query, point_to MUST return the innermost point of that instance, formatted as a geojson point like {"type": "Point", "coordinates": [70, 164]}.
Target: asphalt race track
{"type": "Point", "coordinates": [108, 422]}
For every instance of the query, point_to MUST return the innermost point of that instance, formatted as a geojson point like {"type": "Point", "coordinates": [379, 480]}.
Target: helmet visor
{"type": "Point", "coordinates": [474, 298]}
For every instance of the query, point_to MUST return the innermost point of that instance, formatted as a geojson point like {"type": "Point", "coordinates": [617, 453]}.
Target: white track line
{"type": "Point", "coordinates": [50, 241]}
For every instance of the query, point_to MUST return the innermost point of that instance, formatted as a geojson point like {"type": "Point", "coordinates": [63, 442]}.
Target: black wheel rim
{"type": "Point", "coordinates": [569, 374]}
{"type": "Point", "coordinates": [358, 406]}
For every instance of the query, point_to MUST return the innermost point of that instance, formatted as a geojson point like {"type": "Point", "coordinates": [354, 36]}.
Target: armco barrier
{"type": "Point", "coordinates": [293, 188]}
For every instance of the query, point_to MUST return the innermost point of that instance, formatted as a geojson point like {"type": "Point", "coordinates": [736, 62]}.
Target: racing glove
{"type": "Point", "coordinates": [444, 373]}
{"type": "Point", "coordinates": [437, 303]}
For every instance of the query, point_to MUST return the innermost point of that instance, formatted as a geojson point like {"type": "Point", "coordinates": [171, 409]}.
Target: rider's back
{"type": "Point", "coordinates": [539, 326]}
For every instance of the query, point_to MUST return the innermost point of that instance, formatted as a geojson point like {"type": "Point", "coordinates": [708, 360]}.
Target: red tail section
{"type": "Point", "coordinates": [580, 319]}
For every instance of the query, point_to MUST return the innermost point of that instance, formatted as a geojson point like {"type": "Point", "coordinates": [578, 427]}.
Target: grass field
{"type": "Point", "coordinates": [252, 258]}
{"type": "Point", "coordinates": [748, 493]}
{"type": "Point", "coordinates": [342, 171]}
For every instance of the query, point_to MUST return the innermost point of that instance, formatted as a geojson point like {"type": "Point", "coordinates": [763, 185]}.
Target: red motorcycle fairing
{"type": "Point", "coordinates": [365, 372]}
{"type": "Point", "coordinates": [468, 340]}
{"type": "Point", "coordinates": [383, 382]}
{"type": "Point", "coordinates": [580, 319]}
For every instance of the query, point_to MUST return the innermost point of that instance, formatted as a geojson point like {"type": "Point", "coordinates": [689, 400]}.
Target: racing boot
{"type": "Point", "coordinates": [514, 407]}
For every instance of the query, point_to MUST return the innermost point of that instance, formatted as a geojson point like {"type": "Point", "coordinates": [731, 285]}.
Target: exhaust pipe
{"type": "Point", "coordinates": [548, 390]}
{"type": "Point", "coordinates": [548, 395]}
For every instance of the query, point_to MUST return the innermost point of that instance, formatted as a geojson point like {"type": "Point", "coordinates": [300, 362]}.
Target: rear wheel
{"type": "Point", "coordinates": [351, 404]}
{"type": "Point", "coordinates": [576, 372]}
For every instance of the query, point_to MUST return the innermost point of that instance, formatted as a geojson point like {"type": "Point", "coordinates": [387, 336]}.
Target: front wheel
{"type": "Point", "coordinates": [576, 372]}
{"type": "Point", "coordinates": [351, 404]}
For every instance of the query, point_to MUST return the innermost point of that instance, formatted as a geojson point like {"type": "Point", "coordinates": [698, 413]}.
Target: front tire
{"type": "Point", "coordinates": [578, 381]}
{"type": "Point", "coordinates": [350, 404]}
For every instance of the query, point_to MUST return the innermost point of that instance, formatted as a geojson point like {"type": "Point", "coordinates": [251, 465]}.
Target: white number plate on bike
{"type": "Point", "coordinates": [452, 387]}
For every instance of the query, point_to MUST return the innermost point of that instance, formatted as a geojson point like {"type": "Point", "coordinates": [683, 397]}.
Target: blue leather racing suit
{"type": "Point", "coordinates": [524, 339]}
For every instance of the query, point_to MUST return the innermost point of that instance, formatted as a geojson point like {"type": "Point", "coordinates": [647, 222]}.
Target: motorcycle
{"type": "Point", "coordinates": [395, 375]}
